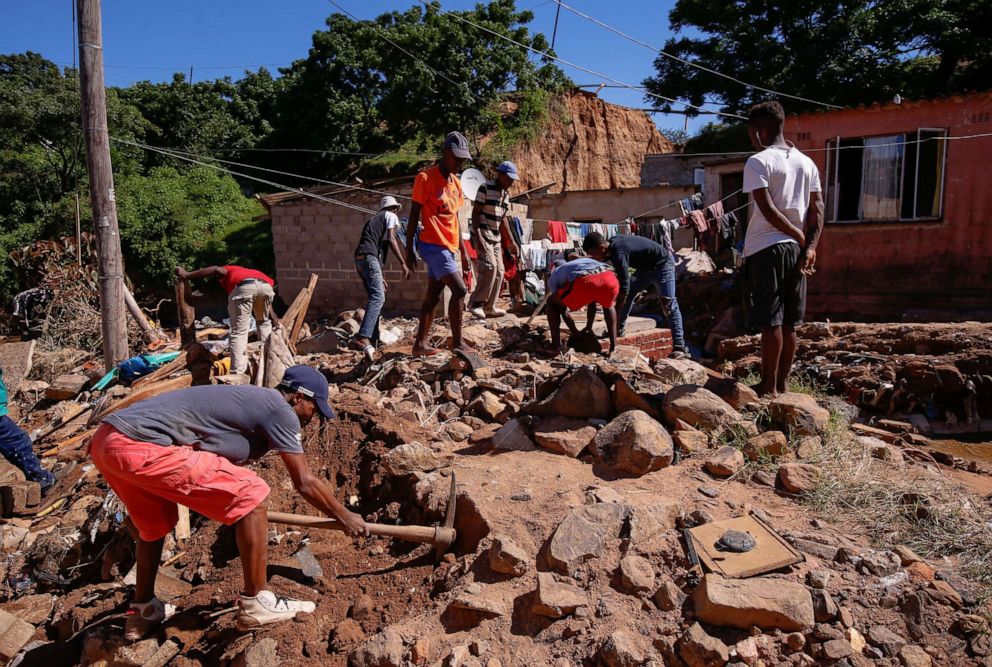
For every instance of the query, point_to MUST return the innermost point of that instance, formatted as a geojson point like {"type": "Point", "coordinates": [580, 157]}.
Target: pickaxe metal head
{"type": "Point", "coordinates": [445, 535]}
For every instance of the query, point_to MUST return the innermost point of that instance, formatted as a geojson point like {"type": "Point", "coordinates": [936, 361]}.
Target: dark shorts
{"type": "Point", "coordinates": [776, 287]}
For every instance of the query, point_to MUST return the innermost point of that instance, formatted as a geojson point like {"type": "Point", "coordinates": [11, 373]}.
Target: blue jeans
{"type": "Point", "coordinates": [663, 277]}
{"type": "Point", "coordinates": [15, 445]}
{"type": "Point", "coordinates": [370, 270]}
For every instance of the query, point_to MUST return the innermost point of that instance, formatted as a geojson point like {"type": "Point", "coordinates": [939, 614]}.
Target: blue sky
{"type": "Point", "coordinates": [149, 40]}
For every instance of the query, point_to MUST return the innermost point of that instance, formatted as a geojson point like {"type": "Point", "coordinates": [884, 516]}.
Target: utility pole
{"type": "Point", "coordinates": [110, 265]}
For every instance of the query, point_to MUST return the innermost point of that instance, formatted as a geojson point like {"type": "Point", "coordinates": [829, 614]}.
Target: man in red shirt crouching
{"type": "Point", "coordinates": [249, 292]}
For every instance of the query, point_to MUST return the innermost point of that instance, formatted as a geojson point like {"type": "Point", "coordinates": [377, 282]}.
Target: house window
{"type": "Point", "coordinates": [891, 178]}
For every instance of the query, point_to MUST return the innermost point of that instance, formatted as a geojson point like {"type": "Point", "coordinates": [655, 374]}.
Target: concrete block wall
{"type": "Point", "coordinates": [314, 236]}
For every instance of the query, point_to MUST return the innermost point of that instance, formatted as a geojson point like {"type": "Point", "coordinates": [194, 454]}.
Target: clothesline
{"type": "Point", "coordinates": [673, 203]}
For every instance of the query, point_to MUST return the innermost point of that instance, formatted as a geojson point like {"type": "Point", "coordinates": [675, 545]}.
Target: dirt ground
{"type": "Point", "coordinates": [372, 591]}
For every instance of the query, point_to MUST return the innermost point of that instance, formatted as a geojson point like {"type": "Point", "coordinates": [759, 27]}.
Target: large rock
{"type": "Point", "coordinates": [264, 652]}
{"type": "Point", "coordinates": [620, 649]}
{"type": "Point", "coordinates": [385, 649]}
{"type": "Point", "coordinates": [648, 521]}
{"type": "Point", "coordinates": [583, 533]}
{"type": "Point", "coordinates": [634, 443]}
{"type": "Point", "coordinates": [886, 640]}
{"type": "Point", "coordinates": [669, 597]}
{"type": "Point", "coordinates": [513, 437]}
{"type": "Point", "coordinates": [636, 574]}
{"type": "Point", "coordinates": [506, 557]}
{"type": "Point", "coordinates": [699, 408]}
{"type": "Point", "coordinates": [767, 445]}
{"type": "Point", "coordinates": [14, 634]}
{"type": "Point", "coordinates": [725, 462]}
{"type": "Point", "coordinates": [582, 394]}
{"type": "Point", "coordinates": [798, 477]}
{"type": "Point", "coordinates": [681, 371]}
{"type": "Point", "coordinates": [409, 458]}
{"type": "Point", "coordinates": [798, 414]}
{"type": "Point", "coordinates": [698, 649]}
{"type": "Point", "coordinates": [737, 394]}
{"type": "Point", "coordinates": [690, 442]}
{"type": "Point", "coordinates": [626, 398]}
{"type": "Point", "coordinates": [564, 435]}
{"type": "Point", "coordinates": [745, 603]}
{"type": "Point", "coordinates": [555, 599]}
{"type": "Point", "coordinates": [487, 406]}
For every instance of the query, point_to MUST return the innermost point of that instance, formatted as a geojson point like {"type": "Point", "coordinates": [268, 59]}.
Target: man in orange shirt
{"type": "Point", "coordinates": [437, 196]}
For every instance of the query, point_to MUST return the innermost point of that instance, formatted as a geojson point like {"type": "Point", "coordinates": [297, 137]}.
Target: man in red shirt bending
{"type": "Point", "coordinates": [249, 292]}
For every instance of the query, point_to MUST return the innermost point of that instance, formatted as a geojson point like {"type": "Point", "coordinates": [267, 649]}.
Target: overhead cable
{"type": "Point", "coordinates": [549, 56]}
{"type": "Point", "coordinates": [285, 188]}
{"type": "Point", "coordinates": [689, 62]}
{"type": "Point", "coordinates": [287, 173]}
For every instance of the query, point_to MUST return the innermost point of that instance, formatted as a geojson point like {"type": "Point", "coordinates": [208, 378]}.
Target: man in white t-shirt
{"type": "Point", "coordinates": [780, 245]}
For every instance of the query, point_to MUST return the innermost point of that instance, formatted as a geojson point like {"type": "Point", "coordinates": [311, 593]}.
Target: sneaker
{"type": "Point", "coordinates": [267, 607]}
{"type": "Point", "coordinates": [495, 312]}
{"type": "Point", "coordinates": [478, 312]}
{"type": "Point", "coordinates": [143, 618]}
{"type": "Point", "coordinates": [680, 354]}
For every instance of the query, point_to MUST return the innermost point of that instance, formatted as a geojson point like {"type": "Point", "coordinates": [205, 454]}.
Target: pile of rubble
{"type": "Point", "coordinates": [937, 375]}
{"type": "Point", "coordinates": [609, 512]}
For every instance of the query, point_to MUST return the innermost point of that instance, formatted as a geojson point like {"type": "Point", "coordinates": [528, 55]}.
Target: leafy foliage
{"type": "Point", "coordinates": [169, 218]}
{"type": "Point", "coordinates": [844, 52]}
{"type": "Point", "coordinates": [390, 86]}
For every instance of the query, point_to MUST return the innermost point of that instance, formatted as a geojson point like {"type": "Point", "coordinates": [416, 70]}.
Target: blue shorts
{"type": "Point", "coordinates": [440, 261]}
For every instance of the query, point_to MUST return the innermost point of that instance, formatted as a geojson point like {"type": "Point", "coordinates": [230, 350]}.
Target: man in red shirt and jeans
{"type": "Point", "coordinates": [249, 292]}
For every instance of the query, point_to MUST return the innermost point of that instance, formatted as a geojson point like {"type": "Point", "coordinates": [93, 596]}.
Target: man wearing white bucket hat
{"type": "Point", "coordinates": [378, 236]}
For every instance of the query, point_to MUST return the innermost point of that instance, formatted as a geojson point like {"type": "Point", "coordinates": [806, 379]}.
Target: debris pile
{"type": "Point", "coordinates": [608, 512]}
{"type": "Point", "coordinates": [937, 376]}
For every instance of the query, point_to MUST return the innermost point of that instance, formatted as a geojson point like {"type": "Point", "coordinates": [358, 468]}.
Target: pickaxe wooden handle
{"type": "Point", "coordinates": [436, 535]}
{"type": "Point", "coordinates": [442, 537]}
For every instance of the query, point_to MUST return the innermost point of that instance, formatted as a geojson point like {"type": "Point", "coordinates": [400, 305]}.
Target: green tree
{"type": "Point", "coordinates": [170, 217]}
{"type": "Point", "coordinates": [843, 52]}
{"type": "Point", "coordinates": [403, 79]}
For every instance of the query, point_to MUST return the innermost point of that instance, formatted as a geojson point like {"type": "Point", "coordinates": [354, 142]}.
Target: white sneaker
{"type": "Point", "coordinates": [495, 312]}
{"type": "Point", "coordinates": [267, 607]}
{"type": "Point", "coordinates": [143, 618]}
{"type": "Point", "coordinates": [478, 312]}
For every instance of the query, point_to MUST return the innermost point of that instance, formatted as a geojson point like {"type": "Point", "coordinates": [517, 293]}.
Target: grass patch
{"type": "Point", "coordinates": [799, 383]}
{"type": "Point", "coordinates": [923, 511]}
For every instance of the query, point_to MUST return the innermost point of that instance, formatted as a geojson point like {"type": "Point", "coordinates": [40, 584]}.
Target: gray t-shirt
{"type": "Point", "coordinates": [240, 423]}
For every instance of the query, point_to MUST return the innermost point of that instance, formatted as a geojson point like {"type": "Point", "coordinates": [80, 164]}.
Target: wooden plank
{"type": "Point", "coordinates": [16, 359]}
{"type": "Point", "coordinates": [295, 308]}
{"type": "Point", "coordinates": [187, 314]}
{"type": "Point", "coordinates": [156, 389]}
{"type": "Point", "coordinates": [771, 551]}
{"type": "Point", "coordinates": [69, 444]}
{"type": "Point", "coordinates": [161, 372]}
{"type": "Point", "coordinates": [307, 294]}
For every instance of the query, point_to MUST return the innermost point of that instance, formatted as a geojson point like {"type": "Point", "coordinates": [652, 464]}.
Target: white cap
{"type": "Point", "coordinates": [388, 201]}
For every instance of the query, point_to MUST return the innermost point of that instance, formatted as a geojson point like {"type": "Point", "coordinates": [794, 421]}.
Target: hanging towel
{"type": "Point", "coordinates": [557, 231]}
{"type": "Point", "coordinates": [715, 210]}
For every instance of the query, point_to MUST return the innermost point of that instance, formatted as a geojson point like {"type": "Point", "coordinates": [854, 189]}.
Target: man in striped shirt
{"type": "Point", "coordinates": [489, 217]}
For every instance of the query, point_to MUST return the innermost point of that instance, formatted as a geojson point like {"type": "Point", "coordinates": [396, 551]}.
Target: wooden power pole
{"type": "Point", "coordinates": [108, 240]}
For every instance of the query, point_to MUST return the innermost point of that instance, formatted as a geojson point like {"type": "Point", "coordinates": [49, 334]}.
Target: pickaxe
{"type": "Point", "coordinates": [440, 536]}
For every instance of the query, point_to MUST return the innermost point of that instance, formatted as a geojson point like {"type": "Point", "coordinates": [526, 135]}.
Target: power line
{"type": "Point", "coordinates": [285, 188]}
{"type": "Point", "coordinates": [286, 173]}
{"type": "Point", "coordinates": [823, 150]}
{"type": "Point", "coordinates": [673, 203]}
{"type": "Point", "coordinates": [689, 62]}
{"type": "Point", "coordinates": [549, 56]}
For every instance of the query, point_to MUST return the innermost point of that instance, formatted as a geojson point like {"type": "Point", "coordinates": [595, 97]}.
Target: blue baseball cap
{"type": "Point", "coordinates": [311, 383]}
{"type": "Point", "coordinates": [509, 169]}
{"type": "Point", "coordinates": [457, 144]}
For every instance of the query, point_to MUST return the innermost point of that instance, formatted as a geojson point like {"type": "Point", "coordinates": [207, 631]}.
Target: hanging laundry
{"type": "Point", "coordinates": [698, 220]}
{"type": "Point", "coordinates": [557, 231]}
{"type": "Point", "coordinates": [715, 210]}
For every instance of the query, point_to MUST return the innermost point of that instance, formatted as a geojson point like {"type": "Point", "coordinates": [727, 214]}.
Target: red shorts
{"type": "Point", "coordinates": [151, 480]}
{"type": "Point", "coordinates": [601, 288]}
